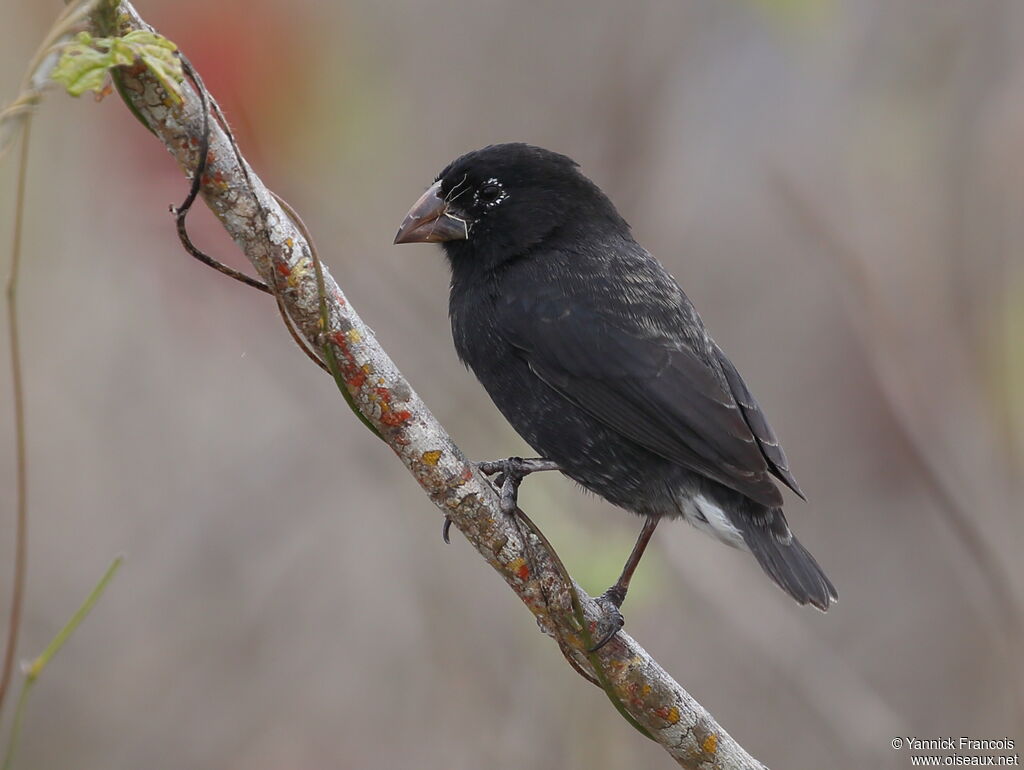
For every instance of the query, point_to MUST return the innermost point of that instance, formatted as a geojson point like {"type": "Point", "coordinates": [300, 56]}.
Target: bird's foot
{"type": "Point", "coordinates": [611, 620]}
{"type": "Point", "coordinates": [510, 474]}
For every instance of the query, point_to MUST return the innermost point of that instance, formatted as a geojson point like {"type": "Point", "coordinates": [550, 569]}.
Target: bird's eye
{"type": "Point", "coordinates": [489, 193]}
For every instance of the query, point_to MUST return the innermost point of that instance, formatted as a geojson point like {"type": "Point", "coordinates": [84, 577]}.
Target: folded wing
{"type": "Point", "coordinates": [649, 385]}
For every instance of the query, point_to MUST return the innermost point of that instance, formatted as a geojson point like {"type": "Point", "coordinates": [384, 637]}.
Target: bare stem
{"type": "Point", "coordinates": [21, 525]}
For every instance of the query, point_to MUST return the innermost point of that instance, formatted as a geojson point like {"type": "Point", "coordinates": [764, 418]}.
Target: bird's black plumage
{"type": "Point", "coordinates": [598, 359]}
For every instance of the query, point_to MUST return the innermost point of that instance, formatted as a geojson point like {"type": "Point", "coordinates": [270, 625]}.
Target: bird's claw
{"type": "Point", "coordinates": [510, 474]}
{"type": "Point", "coordinates": [509, 492]}
{"type": "Point", "coordinates": [611, 620]}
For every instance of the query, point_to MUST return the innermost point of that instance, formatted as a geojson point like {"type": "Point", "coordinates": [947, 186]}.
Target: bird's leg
{"type": "Point", "coordinates": [612, 599]}
{"type": "Point", "coordinates": [510, 474]}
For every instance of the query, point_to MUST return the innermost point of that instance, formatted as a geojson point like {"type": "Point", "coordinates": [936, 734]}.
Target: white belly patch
{"type": "Point", "coordinates": [711, 520]}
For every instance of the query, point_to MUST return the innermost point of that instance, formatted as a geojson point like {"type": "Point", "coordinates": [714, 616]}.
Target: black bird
{"type": "Point", "coordinates": [594, 354]}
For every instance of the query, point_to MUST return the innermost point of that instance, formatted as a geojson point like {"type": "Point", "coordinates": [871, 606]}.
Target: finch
{"type": "Point", "coordinates": [593, 353]}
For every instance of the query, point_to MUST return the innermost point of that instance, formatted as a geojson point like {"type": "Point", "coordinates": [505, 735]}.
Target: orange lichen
{"type": "Point", "coordinates": [613, 667]}
{"type": "Point", "coordinates": [390, 416]}
{"type": "Point", "coordinates": [395, 418]}
{"type": "Point", "coordinates": [669, 713]}
{"type": "Point", "coordinates": [214, 180]}
{"type": "Point", "coordinates": [710, 744]}
{"type": "Point", "coordinates": [431, 457]}
{"type": "Point", "coordinates": [518, 567]}
{"type": "Point", "coordinates": [354, 375]}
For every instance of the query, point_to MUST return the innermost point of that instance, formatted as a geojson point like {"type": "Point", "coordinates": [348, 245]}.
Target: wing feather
{"type": "Point", "coordinates": [766, 440]}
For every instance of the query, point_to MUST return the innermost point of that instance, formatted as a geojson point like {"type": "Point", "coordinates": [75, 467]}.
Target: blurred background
{"type": "Point", "coordinates": [838, 186]}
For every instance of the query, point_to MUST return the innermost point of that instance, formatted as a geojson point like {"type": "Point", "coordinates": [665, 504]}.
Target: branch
{"type": "Point", "coordinates": [275, 245]}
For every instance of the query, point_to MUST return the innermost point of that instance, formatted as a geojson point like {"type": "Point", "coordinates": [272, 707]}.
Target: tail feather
{"type": "Point", "coordinates": [790, 565]}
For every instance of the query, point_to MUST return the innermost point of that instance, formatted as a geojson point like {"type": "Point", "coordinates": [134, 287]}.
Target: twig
{"type": "Point", "coordinates": [34, 669]}
{"type": "Point", "coordinates": [21, 526]}
{"type": "Point", "coordinates": [282, 258]}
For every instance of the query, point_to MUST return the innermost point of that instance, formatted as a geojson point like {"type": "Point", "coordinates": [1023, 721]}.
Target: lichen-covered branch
{"type": "Point", "coordinates": [282, 257]}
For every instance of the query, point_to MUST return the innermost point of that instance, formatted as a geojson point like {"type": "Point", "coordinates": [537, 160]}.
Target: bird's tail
{"type": "Point", "coordinates": [787, 562]}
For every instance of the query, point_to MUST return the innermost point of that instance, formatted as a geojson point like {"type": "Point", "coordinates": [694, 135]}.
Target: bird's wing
{"type": "Point", "coordinates": [758, 424]}
{"type": "Point", "coordinates": [650, 386]}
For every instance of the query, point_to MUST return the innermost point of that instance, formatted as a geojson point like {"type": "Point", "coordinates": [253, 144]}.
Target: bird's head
{"type": "Point", "coordinates": [498, 203]}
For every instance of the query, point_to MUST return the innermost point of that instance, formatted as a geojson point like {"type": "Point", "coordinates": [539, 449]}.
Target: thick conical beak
{"type": "Point", "coordinates": [430, 221]}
